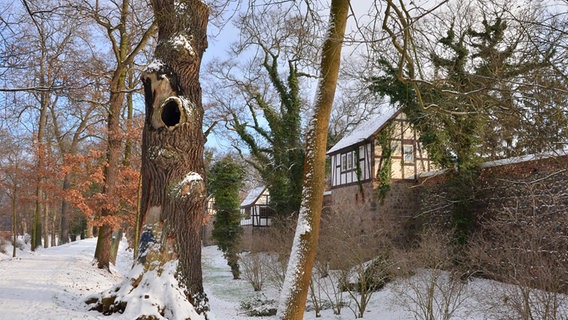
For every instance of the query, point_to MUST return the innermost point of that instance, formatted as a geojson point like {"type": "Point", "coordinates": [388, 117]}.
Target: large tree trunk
{"type": "Point", "coordinates": [173, 174]}
{"type": "Point", "coordinates": [298, 275]}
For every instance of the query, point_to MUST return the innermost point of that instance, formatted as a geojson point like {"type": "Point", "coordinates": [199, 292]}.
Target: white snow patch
{"type": "Point", "coordinates": [180, 7]}
{"type": "Point", "coordinates": [154, 66]}
{"type": "Point", "coordinates": [525, 158]}
{"type": "Point", "coordinates": [253, 196]}
{"type": "Point", "coordinates": [52, 284]}
{"type": "Point", "coordinates": [181, 42]}
{"type": "Point", "coordinates": [293, 271]}
{"type": "Point", "coordinates": [188, 105]}
{"type": "Point", "coordinates": [503, 162]}
{"type": "Point", "coordinates": [180, 190]}
{"type": "Point", "coordinates": [158, 290]}
{"type": "Point", "coordinates": [191, 177]}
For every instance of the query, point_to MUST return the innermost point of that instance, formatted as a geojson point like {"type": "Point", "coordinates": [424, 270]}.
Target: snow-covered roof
{"type": "Point", "coordinates": [503, 162]}
{"type": "Point", "coordinates": [253, 196]}
{"type": "Point", "coordinates": [525, 158]}
{"type": "Point", "coordinates": [364, 130]}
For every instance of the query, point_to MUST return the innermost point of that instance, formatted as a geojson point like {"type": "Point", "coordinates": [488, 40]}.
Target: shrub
{"type": "Point", "coordinates": [258, 306]}
{"type": "Point", "coordinates": [254, 269]}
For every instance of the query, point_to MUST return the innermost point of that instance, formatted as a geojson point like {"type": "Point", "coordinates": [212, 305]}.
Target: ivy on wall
{"type": "Point", "coordinates": [383, 140]}
{"type": "Point", "coordinates": [358, 172]}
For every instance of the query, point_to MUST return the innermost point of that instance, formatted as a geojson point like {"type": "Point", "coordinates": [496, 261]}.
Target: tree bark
{"type": "Point", "coordinates": [173, 174]}
{"type": "Point", "coordinates": [64, 218]}
{"type": "Point", "coordinates": [114, 143]}
{"type": "Point", "coordinates": [46, 223]}
{"type": "Point", "coordinates": [298, 275]}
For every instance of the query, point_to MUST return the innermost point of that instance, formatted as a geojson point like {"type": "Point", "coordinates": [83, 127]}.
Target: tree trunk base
{"type": "Point", "coordinates": [147, 295]}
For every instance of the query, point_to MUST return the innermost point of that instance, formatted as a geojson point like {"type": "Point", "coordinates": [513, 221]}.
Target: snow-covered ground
{"type": "Point", "coordinates": [53, 284]}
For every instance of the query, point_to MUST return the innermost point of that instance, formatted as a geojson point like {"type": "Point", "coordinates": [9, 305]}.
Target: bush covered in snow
{"type": "Point", "coordinates": [258, 306]}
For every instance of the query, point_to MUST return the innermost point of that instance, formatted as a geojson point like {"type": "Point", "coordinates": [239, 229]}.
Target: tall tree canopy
{"type": "Point", "coordinates": [260, 94]}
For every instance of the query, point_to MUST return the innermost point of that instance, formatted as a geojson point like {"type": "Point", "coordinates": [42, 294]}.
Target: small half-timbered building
{"type": "Point", "coordinates": [359, 156]}
{"type": "Point", "coordinates": [374, 172]}
{"type": "Point", "coordinates": [255, 210]}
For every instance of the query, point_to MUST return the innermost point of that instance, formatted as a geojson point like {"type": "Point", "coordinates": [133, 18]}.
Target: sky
{"type": "Point", "coordinates": [221, 39]}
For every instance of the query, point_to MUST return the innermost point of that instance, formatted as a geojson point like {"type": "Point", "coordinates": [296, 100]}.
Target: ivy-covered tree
{"type": "Point", "coordinates": [260, 95]}
{"type": "Point", "coordinates": [470, 109]}
{"type": "Point", "coordinates": [225, 180]}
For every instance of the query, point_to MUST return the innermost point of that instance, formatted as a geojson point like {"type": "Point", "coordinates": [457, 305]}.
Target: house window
{"type": "Point", "coordinates": [349, 161]}
{"type": "Point", "coordinates": [264, 212]}
{"type": "Point", "coordinates": [408, 151]}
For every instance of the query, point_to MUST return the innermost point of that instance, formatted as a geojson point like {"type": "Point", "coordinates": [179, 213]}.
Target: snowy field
{"type": "Point", "coordinates": [53, 284]}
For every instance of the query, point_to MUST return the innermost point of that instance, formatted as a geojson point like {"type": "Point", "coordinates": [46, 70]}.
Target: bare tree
{"type": "Point", "coordinates": [522, 241]}
{"type": "Point", "coordinates": [128, 32]}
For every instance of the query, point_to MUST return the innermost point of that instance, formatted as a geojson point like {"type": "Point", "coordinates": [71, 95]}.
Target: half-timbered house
{"type": "Point", "coordinates": [255, 210]}
{"type": "Point", "coordinates": [359, 156]}
{"type": "Point", "coordinates": [374, 170]}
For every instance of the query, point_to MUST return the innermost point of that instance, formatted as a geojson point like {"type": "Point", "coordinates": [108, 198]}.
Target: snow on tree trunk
{"type": "Point", "coordinates": [166, 281]}
{"type": "Point", "coordinates": [298, 275]}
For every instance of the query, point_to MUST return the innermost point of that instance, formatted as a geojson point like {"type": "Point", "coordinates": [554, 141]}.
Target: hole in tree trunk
{"type": "Point", "coordinates": [171, 112]}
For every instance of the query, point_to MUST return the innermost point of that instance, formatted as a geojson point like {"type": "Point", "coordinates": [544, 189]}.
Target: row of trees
{"type": "Point", "coordinates": [69, 115]}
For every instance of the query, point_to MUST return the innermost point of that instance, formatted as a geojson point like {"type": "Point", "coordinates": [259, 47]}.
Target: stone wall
{"type": "Point", "coordinates": [367, 212]}
{"type": "Point", "coordinates": [527, 186]}
{"type": "Point", "coordinates": [520, 214]}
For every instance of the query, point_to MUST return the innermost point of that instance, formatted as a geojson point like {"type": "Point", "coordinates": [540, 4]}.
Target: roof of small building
{"type": "Point", "coordinates": [507, 161]}
{"type": "Point", "coordinates": [364, 130]}
{"type": "Point", "coordinates": [252, 196]}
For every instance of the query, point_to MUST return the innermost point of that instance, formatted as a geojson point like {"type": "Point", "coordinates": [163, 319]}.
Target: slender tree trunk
{"type": "Point", "coordinates": [45, 224]}
{"type": "Point", "coordinates": [14, 218]}
{"type": "Point", "coordinates": [53, 229]}
{"type": "Point", "coordinates": [64, 219]}
{"type": "Point", "coordinates": [114, 246]}
{"type": "Point", "coordinates": [138, 218]}
{"type": "Point", "coordinates": [298, 275]}
{"type": "Point", "coordinates": [36, 228]}
{"type": "Point", "coordinates": [114, 143]}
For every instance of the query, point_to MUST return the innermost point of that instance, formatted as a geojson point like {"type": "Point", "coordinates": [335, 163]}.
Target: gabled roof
{"type": "Point", "coordinates": [365, 130]}
{"type": "Point", "coordinates": [253, 195]}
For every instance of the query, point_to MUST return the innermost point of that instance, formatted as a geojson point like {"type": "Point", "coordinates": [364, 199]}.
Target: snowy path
{"type": "Point", "coordinates": [51, 283]}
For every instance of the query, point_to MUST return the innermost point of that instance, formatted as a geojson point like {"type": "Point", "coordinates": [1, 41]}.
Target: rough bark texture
{"type": "Point", "coordinates": [173, 175]}
{"type": "Point", "coordinates": [299, 272]}
{"type": "Point", "coordinates": [111, 173]}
